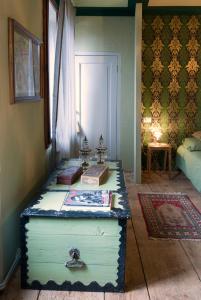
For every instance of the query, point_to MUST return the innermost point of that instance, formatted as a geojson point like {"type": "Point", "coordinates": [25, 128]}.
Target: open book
{"type": "Point", "coordinates": [88, 200]}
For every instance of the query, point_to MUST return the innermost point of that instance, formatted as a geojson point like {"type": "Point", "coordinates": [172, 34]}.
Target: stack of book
{"type": "Point", "coordinates": [88, 200]}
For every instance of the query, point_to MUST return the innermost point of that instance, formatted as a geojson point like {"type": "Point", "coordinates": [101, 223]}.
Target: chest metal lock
{"type": "Point", "coordinates": [75, 262]}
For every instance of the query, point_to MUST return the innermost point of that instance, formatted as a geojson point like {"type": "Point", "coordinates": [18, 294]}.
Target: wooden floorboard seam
{"type": "Point", "coordinates": [38, 295]}
{"type": "Point", "coordinates": [145, 280]}
{"type": "Point", "coordinates": [182, 246]}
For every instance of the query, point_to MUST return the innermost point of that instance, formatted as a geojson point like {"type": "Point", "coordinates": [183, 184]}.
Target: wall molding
{"type": "Point", "coordinates": [137, 93]}
{"type": "Point", "coordinates": [102, 11]}
{"type": "Point", "coordinates": [172, 10]}
{"type": "Point", "coordinates": [16, 260]}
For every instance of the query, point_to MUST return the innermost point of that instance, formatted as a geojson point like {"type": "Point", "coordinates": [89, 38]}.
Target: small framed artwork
{"type": "Point", "coordinates": [24, 64]}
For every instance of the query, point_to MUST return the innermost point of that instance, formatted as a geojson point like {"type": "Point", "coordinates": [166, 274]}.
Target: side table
{"type": "Point", "coordinates": [167, 154]}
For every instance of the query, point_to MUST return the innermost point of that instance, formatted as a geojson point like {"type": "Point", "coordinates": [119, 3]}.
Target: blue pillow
{"type": "Point", "coordinates": [192, 144]}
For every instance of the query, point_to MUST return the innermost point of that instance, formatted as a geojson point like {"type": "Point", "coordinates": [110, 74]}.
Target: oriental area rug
{"type": "Point", "coordinates": [170, 216]}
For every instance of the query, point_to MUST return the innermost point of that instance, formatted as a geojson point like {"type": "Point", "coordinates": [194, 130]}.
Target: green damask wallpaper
{"type": "Point", "coordinates": [171, 75]}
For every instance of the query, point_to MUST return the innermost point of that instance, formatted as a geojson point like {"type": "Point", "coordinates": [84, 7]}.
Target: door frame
{"type": "Point", "coordinates": [118, 55]}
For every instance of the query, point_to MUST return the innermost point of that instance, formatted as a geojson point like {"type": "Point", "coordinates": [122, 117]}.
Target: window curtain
{"type": "Point", "coordinates": [52, 38]}
{"type": "Point", "coordinates": [64, 110]}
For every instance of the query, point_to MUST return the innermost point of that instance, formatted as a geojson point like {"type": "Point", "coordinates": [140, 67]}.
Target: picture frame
{"type": "Point", "coordinates": [25, 59]}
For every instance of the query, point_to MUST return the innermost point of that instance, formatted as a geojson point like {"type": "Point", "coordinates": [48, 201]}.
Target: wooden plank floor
{"type": "Point", "coordinates": [156, 269]}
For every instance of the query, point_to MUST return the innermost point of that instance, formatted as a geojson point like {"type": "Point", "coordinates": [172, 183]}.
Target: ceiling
{"type": "Point", "coordinates": [127, 7]}
{"type": "Point", "coordinates": [105, 7]}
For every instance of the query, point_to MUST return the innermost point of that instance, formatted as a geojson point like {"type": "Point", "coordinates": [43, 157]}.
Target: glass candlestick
{"type": "Point", "coordinates": [101, 151]}
{"type": "Point", "coordinates": [85, 152]}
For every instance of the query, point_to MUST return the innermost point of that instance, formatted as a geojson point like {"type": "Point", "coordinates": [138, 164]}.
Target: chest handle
{"type": "Point", "coordinates": [75, 262]}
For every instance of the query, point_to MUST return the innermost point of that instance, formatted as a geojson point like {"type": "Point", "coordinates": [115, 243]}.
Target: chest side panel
{"type": "Point", "coordinates": [49, 241]}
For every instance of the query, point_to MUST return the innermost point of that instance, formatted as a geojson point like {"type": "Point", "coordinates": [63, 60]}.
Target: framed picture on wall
{"type": "Point", "coordinates": [24, 64]}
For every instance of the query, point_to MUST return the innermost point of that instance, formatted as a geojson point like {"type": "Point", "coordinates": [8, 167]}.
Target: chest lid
{"type": "Point", "coordinates": [50, 202]}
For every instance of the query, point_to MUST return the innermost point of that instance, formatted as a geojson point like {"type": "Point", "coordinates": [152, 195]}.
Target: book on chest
{"type": "Point", "coordinates": [91, 200]}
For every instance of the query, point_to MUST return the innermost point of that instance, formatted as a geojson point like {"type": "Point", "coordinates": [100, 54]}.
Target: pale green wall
{"type": "Point", "coordinates": [114, 34]}
{"type": "Point", "coordinates": [22, 151]}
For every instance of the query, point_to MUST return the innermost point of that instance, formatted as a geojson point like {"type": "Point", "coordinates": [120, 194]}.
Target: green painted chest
{"type": "Point", "coordinates": [83, 250]}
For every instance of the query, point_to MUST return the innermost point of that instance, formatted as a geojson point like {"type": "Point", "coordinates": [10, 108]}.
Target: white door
{"type": "Point", "coordinates": [96, 98]}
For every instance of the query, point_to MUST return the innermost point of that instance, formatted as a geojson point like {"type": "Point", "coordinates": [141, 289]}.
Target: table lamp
{"type": "Point", "coordinates": [156, 132]}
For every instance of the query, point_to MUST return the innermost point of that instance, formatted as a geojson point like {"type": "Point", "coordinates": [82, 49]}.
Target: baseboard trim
{"type": "Point", "coordinates": [4, 283]}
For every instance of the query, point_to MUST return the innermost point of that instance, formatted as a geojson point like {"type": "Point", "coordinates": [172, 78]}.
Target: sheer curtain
{"type": "Point", "coordinates": [52, 38]}
{"type": "Point", "coordinates": [64, 111]}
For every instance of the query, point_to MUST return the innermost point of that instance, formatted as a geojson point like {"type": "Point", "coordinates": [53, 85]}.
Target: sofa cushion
{"type": "Point", "coordinates": [192, 144]}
